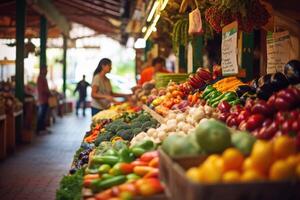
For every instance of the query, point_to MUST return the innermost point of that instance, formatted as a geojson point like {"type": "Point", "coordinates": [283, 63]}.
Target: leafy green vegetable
{"type": "Point", "coordinates": [70, 187]}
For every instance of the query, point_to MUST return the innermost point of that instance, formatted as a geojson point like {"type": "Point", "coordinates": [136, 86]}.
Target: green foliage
{"type": "Point", "coordinates": [70, 186]}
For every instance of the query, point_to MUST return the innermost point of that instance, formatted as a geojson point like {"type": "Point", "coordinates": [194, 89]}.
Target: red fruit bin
{"type": "Point", "coordinates": [178, 187]}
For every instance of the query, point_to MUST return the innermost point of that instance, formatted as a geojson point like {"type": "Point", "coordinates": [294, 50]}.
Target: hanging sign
{"type": "Point", "coordinates": [229, 49]}
{"type": "Point", "coordinates": [195, 22]}
{"type": "Point", "coordinates": [278, 51]}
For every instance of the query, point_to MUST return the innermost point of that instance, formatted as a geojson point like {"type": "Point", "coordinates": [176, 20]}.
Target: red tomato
{"type": "Point", "coordinates": [148, 156]}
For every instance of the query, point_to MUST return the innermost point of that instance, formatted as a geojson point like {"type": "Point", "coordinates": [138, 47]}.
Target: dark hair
{"type": "Point", "coordinates": [103, 61]}
{"type": "Point", "coordinates": [158, 60]}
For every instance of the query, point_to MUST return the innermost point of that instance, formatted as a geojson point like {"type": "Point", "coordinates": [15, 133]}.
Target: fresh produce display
{"type": "Point", "coordinates": [228, 84]}
{"type": "Point", "coordinates": [123, 128]}
{"type": "Point", "coordinates": [114, 112]}
{"type": "Point", "coordinates": [265, 119]}
{"type": "Point", "coordinates": [238, 133]}
{"type": "Point", "coordinates": [177, 123]}
{"type": "Point", "coordinates": [199, 79]}
{"type": "Point", "coordinates": [92, 136]}
{"type": "Point", "coordinates": [275, 160]}
{"type": "Point", "coordinates": [114, 170]}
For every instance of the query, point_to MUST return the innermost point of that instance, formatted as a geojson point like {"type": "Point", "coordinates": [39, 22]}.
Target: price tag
{"type": "Point", "coordinates": [278, 51]}
{"type": "Point", "coordinates": [229, 49]}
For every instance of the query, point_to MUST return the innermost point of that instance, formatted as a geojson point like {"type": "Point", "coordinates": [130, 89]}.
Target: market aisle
{"type": "Point", "coordinates": [35, 170]}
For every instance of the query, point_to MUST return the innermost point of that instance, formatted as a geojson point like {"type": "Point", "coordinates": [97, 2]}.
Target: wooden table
{"type": "Point", "coordinates": [2, 136]}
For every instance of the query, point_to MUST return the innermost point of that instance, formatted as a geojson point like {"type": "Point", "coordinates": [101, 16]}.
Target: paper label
{"type": "Point", "coordinates": [229, 49]}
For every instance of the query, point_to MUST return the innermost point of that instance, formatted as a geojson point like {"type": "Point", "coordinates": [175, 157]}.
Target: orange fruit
{"type": "Point", "coordinates": [293, 160]}
{"type": "Point", "coordinates": [281, 170]}
{"type": "Point", "coordinates": [252, 175]}
{"type": "Point", "coordinates": [233, 159]}
{"type": "Point", "coordinates": [211, 173]}
{"type": "Point", "coordinates": [262, 155]}
{"type": "Point", "coordinates": [248, 164]}
{"type": "Point", "coordinates": [231, 176]}
{"type": "Point", "coordinates": [284, 146]}
{"type": "Point", "coordinates": [193, 174]}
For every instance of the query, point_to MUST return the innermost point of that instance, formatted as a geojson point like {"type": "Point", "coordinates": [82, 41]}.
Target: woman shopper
{"type": "Point", "coordinates": [102, 95]}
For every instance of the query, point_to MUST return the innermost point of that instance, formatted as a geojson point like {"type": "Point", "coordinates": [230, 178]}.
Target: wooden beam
{"type": "Point", "coordinates": [104, 5]}
{"type": "Point", "coordinates": [46, 8]}
{"type": "Point", "coordinates": [94, 24]}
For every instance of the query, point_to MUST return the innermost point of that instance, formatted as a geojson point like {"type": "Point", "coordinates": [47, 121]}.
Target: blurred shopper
{"type": "Point", "coordinates": [102, 95]}
{"type": "Point", "coordinates": [158, 65]}
{"type": "Point", "coordinates": [81, 89]}
{"type": "Point", "coordinates": [43, 97]}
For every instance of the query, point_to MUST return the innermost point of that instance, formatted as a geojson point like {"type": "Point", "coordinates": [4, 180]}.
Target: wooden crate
{"type": "Point", "coordinates": [172, 172]}
{"type": "Point", "coordinates": [2, 136]}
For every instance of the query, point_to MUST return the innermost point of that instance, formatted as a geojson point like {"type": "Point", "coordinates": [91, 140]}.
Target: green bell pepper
{"type": "Point", "coordinates": [228, 96]}
{"type": "Point", "coordinates": [214, 95]}
{"type": "Point", "coordinates": [207, 90]}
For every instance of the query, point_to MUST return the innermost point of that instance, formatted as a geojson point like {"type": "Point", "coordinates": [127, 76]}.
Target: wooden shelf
{"type": "Point", "coordinates": [154, 114]}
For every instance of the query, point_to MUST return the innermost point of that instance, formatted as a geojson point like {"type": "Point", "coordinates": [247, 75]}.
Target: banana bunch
{"type": "Point", "coordinates": [180, 33]}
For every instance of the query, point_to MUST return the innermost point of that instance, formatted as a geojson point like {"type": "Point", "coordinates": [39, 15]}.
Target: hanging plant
{"type": "Point", "coordinates": [180, 33]}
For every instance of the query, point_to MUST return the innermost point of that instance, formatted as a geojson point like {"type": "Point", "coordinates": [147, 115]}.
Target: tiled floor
{"type": "Point", "coordinates": [33, 172]}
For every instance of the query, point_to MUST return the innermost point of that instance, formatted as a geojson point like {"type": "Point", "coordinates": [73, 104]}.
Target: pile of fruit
{"type": "Point", "coordinates": [274, 160]}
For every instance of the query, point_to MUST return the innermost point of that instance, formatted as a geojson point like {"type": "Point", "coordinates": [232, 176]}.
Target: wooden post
{"type": "Point", "coordinates": [247, 55]}
{"type": "Point", "coordinates": [65, 40]}
{"type": "Point", "coordinates": [43, 41]}
{"type": "Point", "coordinates": [20, 36]}
{"type": "Point", "coordinates": [182, 59]}
{"type": "Point", "coordinates": [197, 44]}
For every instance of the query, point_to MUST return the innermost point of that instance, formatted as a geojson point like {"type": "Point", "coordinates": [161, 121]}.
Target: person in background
{"type": "Point", "coordinates": [102, 95]}
{"type": "Point", "coordinates": [81, 89]}
{"type": "Point", "coordinates": [158, 65]}
{"type": "Point", "coordinates": [43, 96]}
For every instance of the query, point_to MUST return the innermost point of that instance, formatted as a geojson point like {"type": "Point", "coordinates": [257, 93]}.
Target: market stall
{"type": "Point", "coordinates": [229, 130]}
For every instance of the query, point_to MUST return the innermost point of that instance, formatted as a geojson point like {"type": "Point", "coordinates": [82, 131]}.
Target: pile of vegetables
{"type": "Point", "coordinates": [177, 123]}
{"type": "Point", "coordinates": [115, 170]}
{"type": "Point", "coordinates": [214, 97]}
{"type": "Point", "coordinates": [126, 127]}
